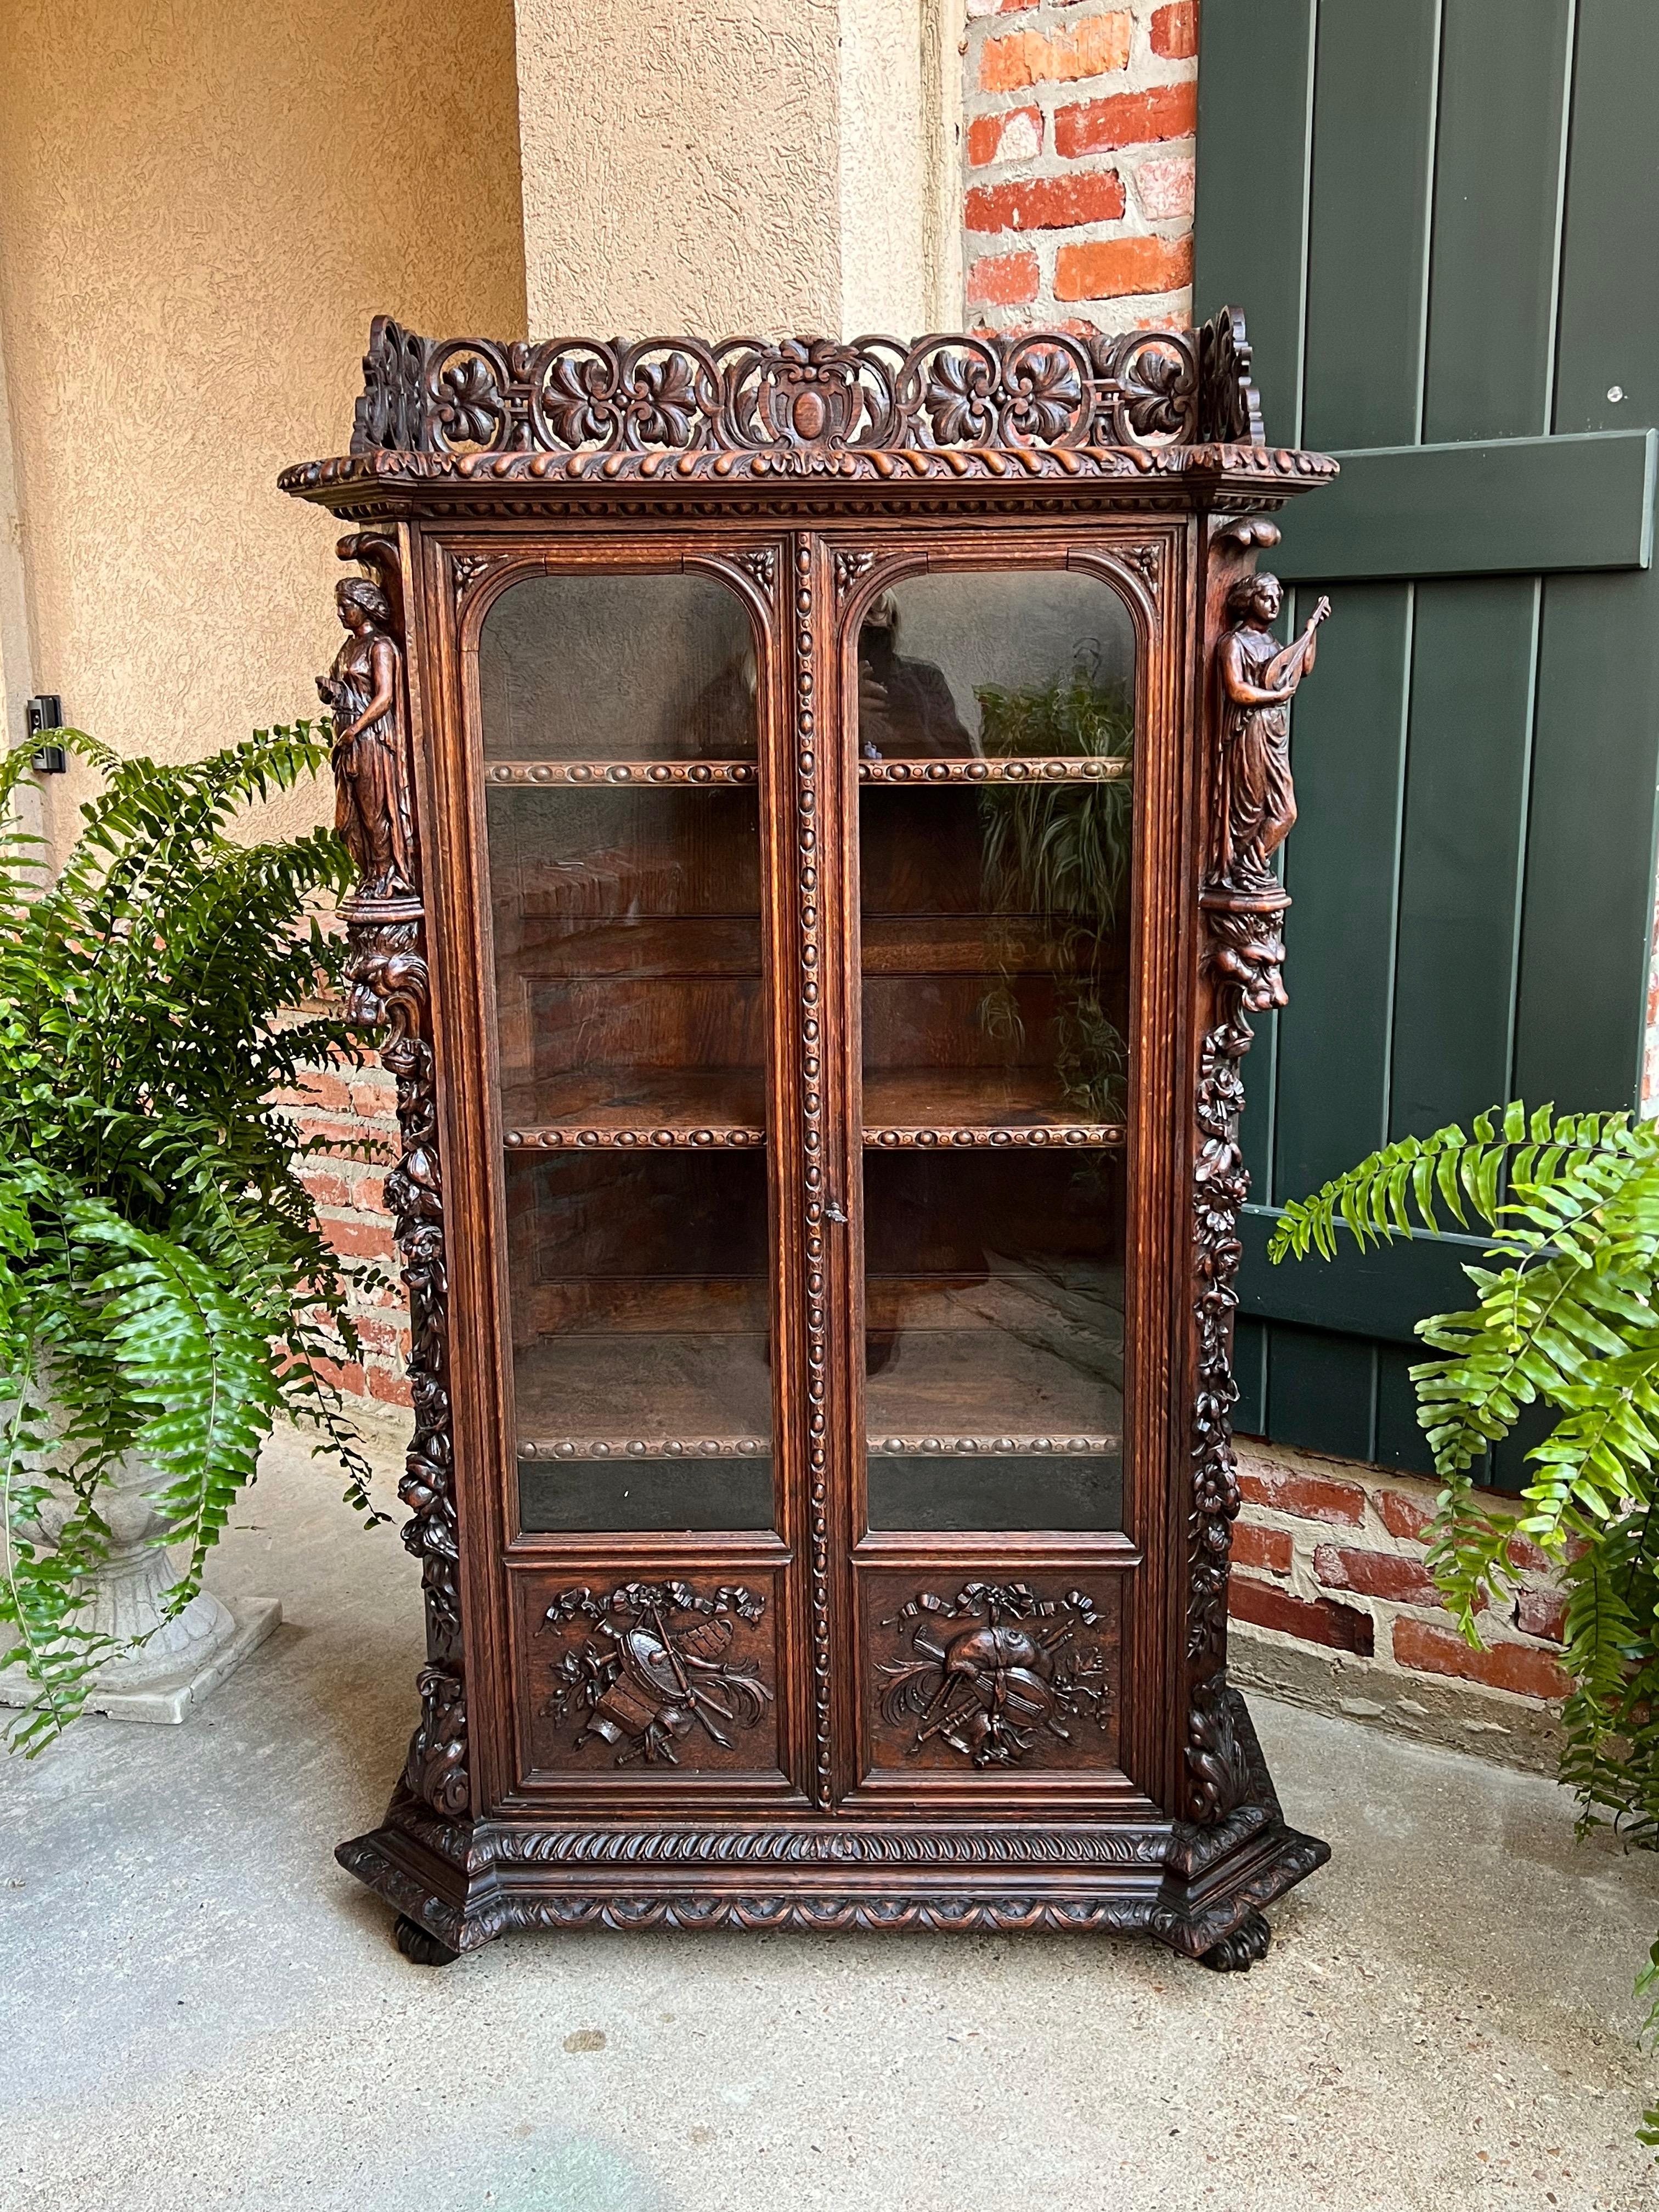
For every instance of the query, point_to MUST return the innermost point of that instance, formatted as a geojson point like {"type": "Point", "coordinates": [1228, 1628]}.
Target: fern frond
{"type": "Point", "coordinates": [1567, 1318]}
{"type": "Point", "coordinates": [163, 1276]}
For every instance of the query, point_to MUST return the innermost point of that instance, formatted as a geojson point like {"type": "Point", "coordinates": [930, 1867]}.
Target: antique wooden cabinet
{"type": "Point", "coordinates": [816, 807]}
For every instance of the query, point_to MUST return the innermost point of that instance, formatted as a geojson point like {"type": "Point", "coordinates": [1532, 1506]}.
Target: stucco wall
{"type": "Point", "coordinates": [690, 166]}
{"type": "Point", "coordinates": [200, 209]}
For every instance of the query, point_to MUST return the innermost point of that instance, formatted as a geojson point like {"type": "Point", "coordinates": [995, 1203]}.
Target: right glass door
{"type": "Point", "coordinates": [995, 720]}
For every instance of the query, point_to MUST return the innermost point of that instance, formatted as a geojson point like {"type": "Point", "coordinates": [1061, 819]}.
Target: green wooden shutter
{"type": "Point", "coordinates": [1438, 216]}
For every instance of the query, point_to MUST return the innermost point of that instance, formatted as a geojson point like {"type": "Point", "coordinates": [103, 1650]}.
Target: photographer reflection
{"type": "Point", "coordinates": [906, 711]}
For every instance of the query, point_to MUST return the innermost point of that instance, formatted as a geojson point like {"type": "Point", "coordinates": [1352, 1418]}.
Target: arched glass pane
{"type": "Point", "coordinates": [995, 722]}
{"type": "Point", "coordinates": [617, 668]}
{"type": "Point", "coordinates": [625, 900]}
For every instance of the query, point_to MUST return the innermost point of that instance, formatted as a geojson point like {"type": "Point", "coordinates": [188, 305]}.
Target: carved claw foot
{"type": "Point", "coordinates": [424, 1949]}
{"type": "Point", "coordinates": [1238, 1953]}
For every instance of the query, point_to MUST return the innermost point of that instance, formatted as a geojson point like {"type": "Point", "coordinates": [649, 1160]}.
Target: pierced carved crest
{"type": "Point", "coordinates": [807, 405]}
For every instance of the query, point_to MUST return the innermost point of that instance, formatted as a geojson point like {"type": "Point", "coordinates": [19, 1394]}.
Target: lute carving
{"type": "Point", "coordinates": [992, 1687]}
{"type": "Point", "coordinates": [655, 1667]}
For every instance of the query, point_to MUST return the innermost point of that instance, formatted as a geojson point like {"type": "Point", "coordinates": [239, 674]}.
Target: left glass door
{"type": "Point", "coordinates": [621, 771]}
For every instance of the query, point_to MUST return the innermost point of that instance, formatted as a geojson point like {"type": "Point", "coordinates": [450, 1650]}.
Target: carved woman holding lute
{"type": "Point", "coordinates": [1256, 808]}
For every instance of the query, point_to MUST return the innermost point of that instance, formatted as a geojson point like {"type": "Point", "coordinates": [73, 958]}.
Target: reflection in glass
{"type": "Point", "coordinates": [988, 662]}
{"type": "Point", "coordinates": [995, 954]}
{"type": "Point", "coordinates": [631, 1014]}
{"type": "Point", "coordinates": [617, 668]}
{"type": "Point", "coordinates": [995, 927]}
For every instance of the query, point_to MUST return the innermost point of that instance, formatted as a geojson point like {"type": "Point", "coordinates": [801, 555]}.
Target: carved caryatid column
{"type": "Point", "coordinates": [366, 695]}
{"type": "Point", "coordinates": [1253, 808]}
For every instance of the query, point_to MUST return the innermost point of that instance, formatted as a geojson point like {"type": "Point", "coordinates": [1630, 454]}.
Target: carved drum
{"type": "Point", "coordinates": [816, 808]}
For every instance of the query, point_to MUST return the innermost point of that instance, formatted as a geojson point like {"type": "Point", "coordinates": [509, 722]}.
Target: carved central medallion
{"type": "Point", "coordinates": [1012, 1673]}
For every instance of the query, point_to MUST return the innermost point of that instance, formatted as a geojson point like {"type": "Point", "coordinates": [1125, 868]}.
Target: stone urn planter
{"type": "Point", "coordinates": [163, 1667]}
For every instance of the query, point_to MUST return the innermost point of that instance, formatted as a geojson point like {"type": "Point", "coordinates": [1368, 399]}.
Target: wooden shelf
{"type": "Point", "coordinates": [655, 948]}
{"type": "Point", "coordinates": [670, 1108]}
{"type": "Point", "coordinates": [901, 945]}
{"type": "Point", "coordinates": [1088, 768]}
{"type": "Point", "coordinates": [629, 1451]}
{"type": "Point", "coordinates": [664, 773]}
{"type": "Point", "coordinates": [724, 1109]}
{"type": "Point", "coordinates": [1014, 1365]}
{"type": "Point", "coordinates": [644, 1394]}
{"type": "Point", "coordinates": [1016, 1362]}
{"type": "Point", "coordinates": [952, 1109]}
{"type": "Point", "coordinates": [1022, 1447]}
{"type": "Point", "coordinates": [650, 774]}
{"type": "Point", "coordinates": [989, 1395]}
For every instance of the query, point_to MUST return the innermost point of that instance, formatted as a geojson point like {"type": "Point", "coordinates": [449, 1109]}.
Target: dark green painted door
{"type": "Point", "coordinates": [1440, 218]}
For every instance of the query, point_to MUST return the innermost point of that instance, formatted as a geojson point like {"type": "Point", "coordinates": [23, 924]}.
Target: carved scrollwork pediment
{"type": "Point", "coordinates": [1229, 404]}
{"type": "Point", "coordinates": [807, 406]}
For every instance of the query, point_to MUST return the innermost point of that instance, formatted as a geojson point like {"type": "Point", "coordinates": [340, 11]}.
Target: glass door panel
{"type": "Point", "coordinates": [609, 668]}
{"type": "Point", "coordinates": [996, 729]}
{"type": "Point", "coordinates": [623, 817]}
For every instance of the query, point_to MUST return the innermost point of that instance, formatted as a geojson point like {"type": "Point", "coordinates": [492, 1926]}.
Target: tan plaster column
{"type": "Point", "coordinates": [200, 209]}
{"type": "Point", "coordinates": [16, 660]}
{"type": "Point", "coordinates": [688, 166]}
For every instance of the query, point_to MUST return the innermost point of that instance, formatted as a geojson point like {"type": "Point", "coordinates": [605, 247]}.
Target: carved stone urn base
{"type": "Point", "coordinates": [165, 1666]}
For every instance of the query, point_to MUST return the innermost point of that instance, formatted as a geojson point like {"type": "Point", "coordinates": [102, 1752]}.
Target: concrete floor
{"type": "Point", "coordinates": [201, 2010]}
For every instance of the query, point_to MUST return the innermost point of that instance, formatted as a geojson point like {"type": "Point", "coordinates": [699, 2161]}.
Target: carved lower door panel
{"type": "Point", "coordinates": [978, 1680]}
{"type": "Point", "coordinates": [652, 1682]}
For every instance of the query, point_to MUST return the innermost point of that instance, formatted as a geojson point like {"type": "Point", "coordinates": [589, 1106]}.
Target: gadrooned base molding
{"type": "Point", "coordinates": [459, 1884]}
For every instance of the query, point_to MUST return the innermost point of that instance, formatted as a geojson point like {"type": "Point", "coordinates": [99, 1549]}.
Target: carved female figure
{"type": "Point", "coordinates": [363, 692]}
{"type": "Point", "coordinates": [1256, 807]}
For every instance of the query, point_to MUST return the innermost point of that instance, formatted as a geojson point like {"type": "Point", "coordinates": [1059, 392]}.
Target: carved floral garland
{"type": "Point", "coordinates": [389, 993]}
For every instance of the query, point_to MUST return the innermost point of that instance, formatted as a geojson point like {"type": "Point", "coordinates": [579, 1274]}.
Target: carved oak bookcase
{"type": "Point", "coordinates": [815, 805]}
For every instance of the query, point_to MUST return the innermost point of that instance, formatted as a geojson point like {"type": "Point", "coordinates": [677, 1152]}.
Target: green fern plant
{"type": "Point", "coordinates": [164, 1289]}
{"type": "Point", "coordinates": [1567, 1318]}
{"type": "Point", "coordinates": [1061, 852]}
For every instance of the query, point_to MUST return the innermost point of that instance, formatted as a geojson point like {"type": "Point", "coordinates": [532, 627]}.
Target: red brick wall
{"type": "Point", "coordinates": [1079, 144]}
{"type": "Point", "coordinates": [1328, 1561]}
{"type": "Point", "coordinates": [355, 1107]}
